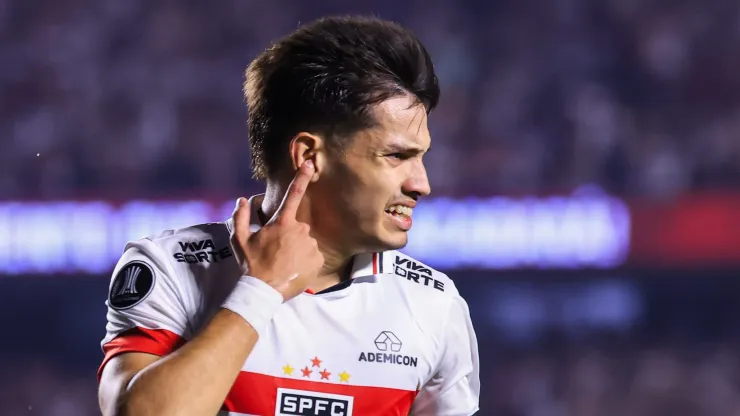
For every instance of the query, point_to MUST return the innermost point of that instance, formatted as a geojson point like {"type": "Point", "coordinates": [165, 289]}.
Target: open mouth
{"type": "Point", "coordinates": [401, 215]}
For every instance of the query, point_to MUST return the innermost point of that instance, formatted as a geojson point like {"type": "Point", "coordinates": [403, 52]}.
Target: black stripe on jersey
{"type": "Point", "coordinates": [339, 286]}
{"type": "Point", "coordinates": [345, 284]}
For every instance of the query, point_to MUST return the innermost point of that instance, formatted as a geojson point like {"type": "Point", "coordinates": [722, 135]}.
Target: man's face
{"type": "Point", "coordinates": [371, 189]}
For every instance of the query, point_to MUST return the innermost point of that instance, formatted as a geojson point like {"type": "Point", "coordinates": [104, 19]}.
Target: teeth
{"type": "Point", "coordinates": [400, 209]}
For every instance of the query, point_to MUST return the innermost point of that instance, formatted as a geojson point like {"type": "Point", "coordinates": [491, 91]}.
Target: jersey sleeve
{"type": "Point", "coordinates": [146, 312]}
{"type": "Point", "coordinates": [454, 389]}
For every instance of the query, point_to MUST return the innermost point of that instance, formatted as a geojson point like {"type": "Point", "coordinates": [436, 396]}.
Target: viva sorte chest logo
{"type": "Point", "coordinates": [416, 272]}
{"type": "Point", "coordinates": [389, 347]}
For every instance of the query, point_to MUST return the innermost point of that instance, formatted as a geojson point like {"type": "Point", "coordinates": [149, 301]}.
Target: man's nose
{"type": "Point", "coordinates": [418, 182]}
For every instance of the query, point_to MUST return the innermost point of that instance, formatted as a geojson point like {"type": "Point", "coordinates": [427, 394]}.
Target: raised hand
{"type": "Point", "coordinates": [281, 253]}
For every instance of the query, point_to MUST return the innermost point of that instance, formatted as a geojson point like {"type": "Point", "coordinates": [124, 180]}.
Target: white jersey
{"type": "Point", "coordinates": [393, 340]}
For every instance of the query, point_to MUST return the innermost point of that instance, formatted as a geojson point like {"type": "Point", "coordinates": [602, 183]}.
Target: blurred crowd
{"type": "Point", "coordinates": [43, 388]}
{"type": "Point", "coordinates": [628, 379]}
{"type": "Point", "coordinates": [137, 98]}
{"type": "Point", "coordinates": [575, 381]}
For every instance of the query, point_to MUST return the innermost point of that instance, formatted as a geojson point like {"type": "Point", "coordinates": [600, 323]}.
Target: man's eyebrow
{"type": "Point", "coordinates": [402, 148]}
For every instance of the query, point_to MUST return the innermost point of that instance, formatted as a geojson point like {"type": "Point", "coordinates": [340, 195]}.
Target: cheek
{"type": "Point", "coordinates": [362, 206]}
{"type": "Point", "coordinates": [362, 191]}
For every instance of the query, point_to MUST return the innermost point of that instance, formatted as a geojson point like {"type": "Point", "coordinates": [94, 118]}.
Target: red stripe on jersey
{"type": "Point", "coordinates": [151, 341]}
{"type": "Point", "coordinates": [375, 263]}
{"type": "Point", "coordinates": [256, 394]}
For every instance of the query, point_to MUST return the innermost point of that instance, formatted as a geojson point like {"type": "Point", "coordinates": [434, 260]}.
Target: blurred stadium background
{"type": "Point", "coordinates": [586, 175]}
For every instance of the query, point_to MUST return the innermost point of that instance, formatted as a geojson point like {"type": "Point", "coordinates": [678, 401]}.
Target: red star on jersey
{"type": "Point", "coordinates": [316, 362]}
{"type": "Point", "coordinates": [306, 372]}
{"type": "Point", "coordinates": [325, 375]}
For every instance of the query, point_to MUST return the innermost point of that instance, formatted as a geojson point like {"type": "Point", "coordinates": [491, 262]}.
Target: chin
{"type": "Point", "coordinates": [393, 241]}
{"type": "Point", "coordinates": [382, 237]}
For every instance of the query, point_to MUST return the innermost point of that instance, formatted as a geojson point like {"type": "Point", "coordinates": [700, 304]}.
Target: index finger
{"type": "Point", "coordinates": [296, 190]}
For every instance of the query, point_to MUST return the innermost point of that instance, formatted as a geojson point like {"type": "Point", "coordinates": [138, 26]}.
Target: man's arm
{"type": "Point", "coordinates": [454, 390]}
{"type": "Point", "coordinates": [194, 380]}
{"type": "Point", "coordinates": [149, 368]}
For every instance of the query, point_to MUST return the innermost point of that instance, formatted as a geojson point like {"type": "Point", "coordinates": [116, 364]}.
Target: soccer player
{"type": "Point", "coordinates": [299, 304]}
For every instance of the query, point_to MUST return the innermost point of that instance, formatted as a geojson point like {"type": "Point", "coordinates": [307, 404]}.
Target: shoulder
{"type": "Point", "coordinates": [432, 298]}
{"type": "Point", "coordinates": [429, 293]}
{"type": "Point", "coordinates": [164, 286]}
{"type": "Point", "coordinates": [416, 276]}
{"type": "Point", "coordinates": [185, 250]}
{"type": "Point", "coordinates": [180, 260]}
{"type": "Point", "coordinates": [191, 245]}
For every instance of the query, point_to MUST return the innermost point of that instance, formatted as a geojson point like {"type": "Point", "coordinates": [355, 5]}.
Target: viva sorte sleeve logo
{"type": "Point", "coordinates": [390, 347]}
{"type": "Point", "coordinates": [203, 251]}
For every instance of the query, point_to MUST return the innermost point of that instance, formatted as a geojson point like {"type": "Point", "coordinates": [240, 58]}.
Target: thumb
{"type": "Point", "coordinates": [240, 218]}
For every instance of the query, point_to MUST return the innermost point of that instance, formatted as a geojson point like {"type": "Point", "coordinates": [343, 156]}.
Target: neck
{"type": "Point", "coordinates": [337, 268]}
{"type": "Point", "coordinates": [271, 201]}
{"type": "Point", "coordinates": [337, 262]}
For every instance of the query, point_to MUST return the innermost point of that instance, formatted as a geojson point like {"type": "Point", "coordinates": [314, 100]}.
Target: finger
{"type": "Point", "coordinates": [297, 188]}
{"type": "Point", "coordinates": [241, 221]}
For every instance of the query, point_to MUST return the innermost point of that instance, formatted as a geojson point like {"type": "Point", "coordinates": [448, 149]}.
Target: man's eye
{"type": "Point", "coordinates": [399, 156]}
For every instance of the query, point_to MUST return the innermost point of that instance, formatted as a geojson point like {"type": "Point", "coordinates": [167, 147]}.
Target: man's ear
{"type": "Point", "coordinates": [307, 146]}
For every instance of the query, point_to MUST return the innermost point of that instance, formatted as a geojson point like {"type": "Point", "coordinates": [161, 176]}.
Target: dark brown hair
{"type": "Point", "coordinates": [325, 77]}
